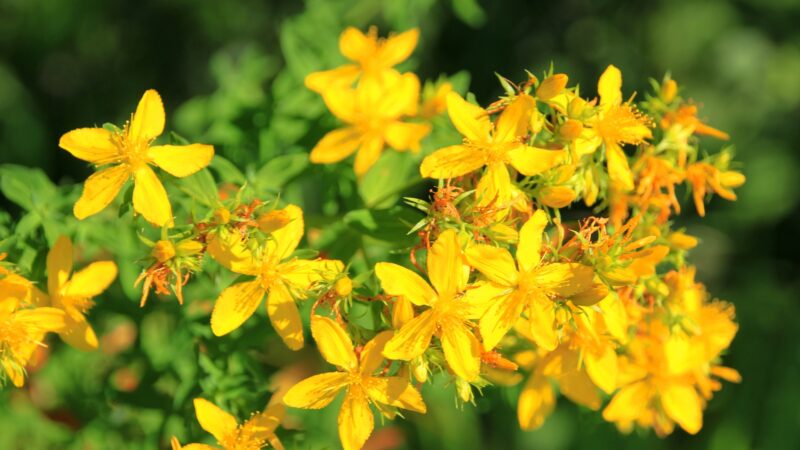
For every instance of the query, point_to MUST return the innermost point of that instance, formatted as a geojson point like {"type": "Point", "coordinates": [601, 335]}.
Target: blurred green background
{"type": "Point", "coordinates": [230, 73]}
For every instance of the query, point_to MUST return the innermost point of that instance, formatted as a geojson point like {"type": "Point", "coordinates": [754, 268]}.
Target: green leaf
{"type": "Point", "coordinates": [390, 225]}
{"type": "Point", "coordinates": [227, 170]}
{"type": "Point", "coordinates": [27, 187]}
{"type": "Point", "coordinates": [387, 179]}
{"type": "Point", "coordinates": [470, 12]}
{"type": "Point", "coordinates": [201, 187]}
{"type": "Point", "coordinates": [280, 170]}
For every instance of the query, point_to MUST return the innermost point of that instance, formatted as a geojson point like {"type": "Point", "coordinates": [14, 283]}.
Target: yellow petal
{"type": "Point", "coordinates": [149, 197]}
{"type": "Point", "coordinates": [148, 120]}
{"type": "Point", "coordinates": [41, 319]}
{"type": "Point", "coordinates": [609, 86]}
{"type": "Point", "coordinates": [302, 274]}
{"type": "Point", "coordinates": [355, 45]}
{"type": "Point", "coordinates": [683, 405]}
{"type": "Point", "coordinates": [531, 161]}
{"type": "Point", "coordinates": [564, 279]}
{"type": "Point", "coordinates": [499, 318]}
{"type": "Point", "coordinates": [99, 190]}
{"type": "Point", "coordinates": [59, 264]}
{"type": "Point", "coordinates": [91, 144]}
{"type": "Point", "coordinates": [618, 170]}
{"type": "Point", "coordinates": [446, 265]}
{"type": "Point", "coordinates": [284, 316]}
{"type": "Point", "coordinates": [413, 339]}
{"type": "Point", "coordinates": [399, 281]}
{"type": "Point", "coordinates": [398, 48]}
{"type": "Point", "coordinates": [597, 292]}
{"type": "Point", "coordinates": [494, 263]}
{"type": "Point", "coordinates": [355, 419]}
{"type": "Point", "coordinates": [92, 280]}
{"type": "Point", "coordinates": [406, 136]}
{"type": "Point", "coordinates": [371, 357]}
{"type": "Point", "coordinates": [78, 333]}
{"type": "Point", "coordinates": [333, 342]}
{"type": "Point", "coordinates": [461, 350]}
{"type": "Point", "coordinates": [453, 161]}
{"type": "Point", "coordinates": [285, 239]}
{"type": "Point", "coordinates": [495, 187]}
{"type": "Point", "coordinates": [228, 249]}
{"type": "Point", "coordinates": [213, 419]}
{"type": "Point", "coordinates": [601, 366]}
{"type": "Point", "coordinates": [395, 391]}
{"type": "Point", "coordinates": [336, 145]}
{"type": "Point", "coordinates": [529, 250]}
{"type": "Point", "coordinates": [368, 154]}
{"type": "Point", "coordinates": [542, 318]}
{"type": "Point", "coordinates": [397, 97]}
{"type": "Point", "coordinates": [316, 392]}
{"type": "Point", "coordinates": [479, 296]}
{"type": "Point", "coordinates": [235, 305]}
{"type": "Point", "coordinates": [578, 387]}
{"type": "Point", "coordinates": [536, 402]}
{"type": "Point", "coordinates": [342, 103]}
{"type": "Point", "coordinates": [514, 120]}
{"type": "Point", "coordinates": [338, 78]}
{"type": "Point", "coordinates": [181, 160]}
{"type": "Point", "coordinates": [470, 120]}
{"type": "Point", "coordinates": [402, 312]}
{"type": "Point", "coordinates": [628, 404]}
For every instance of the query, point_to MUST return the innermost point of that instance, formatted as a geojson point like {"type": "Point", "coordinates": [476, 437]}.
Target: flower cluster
{"type": "Point", "coordinates": [503, 285]}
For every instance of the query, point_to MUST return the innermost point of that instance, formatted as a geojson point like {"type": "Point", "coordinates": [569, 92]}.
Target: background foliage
{"type": "Point", "coordinates": [231, 74]}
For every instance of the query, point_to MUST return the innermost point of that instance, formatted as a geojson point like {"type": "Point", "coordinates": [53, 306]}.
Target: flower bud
{"type": "Point", "coordinates": [552, 86]}
{"type": "Point", "coordinates": [163, 251]}
{"type": "Point", "coordinates": [343, 286]}
{"type": "Point", "coordinates": [222, 216]}
{"type": "Point", "coordinates": [464, 390]}
{"type": "Point", "coordinates": [571, 129]}
{"type": "Point", "coordinates": [188, 247]}
{"type": "Point", "coordinates": [668, 91]}
{"type": "Point", "coordinates": [273, 220]}
{"type": "Point", "coordinates": [419, 367]}
{"type": "Point", "coordinates": [557, 196]}
{"type": "Point", "coordinates": [682, 241]}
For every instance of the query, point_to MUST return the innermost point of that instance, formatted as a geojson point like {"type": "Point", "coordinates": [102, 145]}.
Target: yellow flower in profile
{"type": "Point", "coordinates": [128, 154]}
{"type": "Point", "coordinates": [373, 58]}
{"type": "Point", "coordinates": [448, 311]}
{"type": "Point", "coordinates": [494, 145]}
{"type": "Point", "coordinates": [617, 123]}
{"type": "Point", "coordinates": [257, 432]}
{"type": "Point", "coordinates": [276, 273]}
{"type": "Point", "coordinates": [372, 114]}
{"type": "Point", "coordinates": [73, 292]}
{"type": "Point", "coordinates": [531, 285]}
{"type": "Point", "coordinates": [22, 330]}
{"type": "Point", "coordinates": [356, 377]}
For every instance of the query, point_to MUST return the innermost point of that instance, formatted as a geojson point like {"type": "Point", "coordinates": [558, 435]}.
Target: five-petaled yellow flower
{"type": "Point", "coordinates": [22, 330]}
{"type": "Point", "coordinates": [73, 292]}
{"type": "Point", "coordinates": [275, 272]}
{"type": "Point", "coordinates": [255, 433]}
{"type": "Point", "coordinates": [373, 115]}
{"type": "Point", "coordinates": [373, 58]}
{"type": "Point", "coordinates": [448, 310]}
{"type": "Point", "coordinates": [494, 145]}
{"type": "Point", "coordinates": [129, 153]}
{"type": "Point", "coordinates": [616, 123]}
{"type": "Point", "coordinates": [356, 376]}
{"type": "Point", "coordinates": [529, 284]}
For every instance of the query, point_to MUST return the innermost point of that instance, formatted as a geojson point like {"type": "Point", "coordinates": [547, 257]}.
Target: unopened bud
{"type": "Point", "coordinates": [222, 216]}
{"type": "Point", "coordinates": [669, 90]}
{"type": "Point", "coordinates": [552, 86]}
{"type": "Point", "coordinates": [273, 220]}
{"type": "Point", "coordinates": [163, 251]}
{"type": "Point", "coordinates": [571, 129]}
{"type": "Point", "coordinates": [419, 367]}
{"type": "Point", "coordinates": [343, 287]}
{"type": "Point", "coordinates": [557, 196]}
{"type": "Point", "coordinates": [464, 390]}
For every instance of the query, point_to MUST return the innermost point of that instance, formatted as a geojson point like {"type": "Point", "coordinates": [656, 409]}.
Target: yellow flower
{"type": "Point", "coordinates": [529, 284]}
{"type": "Point", "coordinates": [283, 278]}
{"type": "Point", "coordinates": [373, 58]}
{"type": "Point", "coordinates": [255, 433]}
{"type": "Point", "coordinates": [356, 377]}
{"type": "Point", "coordinates": [372, 114]}
{"type": "Point", "coordinates": [21, 332]}
{"type": "Point", "coordinates": [447, 314]}
{"type": "Point", "coordinates": [129, 153]}
{"type": "Point", "coordinates": [616, 123]}
{"type": "Point", "coordinates": [493, 145]}
{"type": "Point", "coordinates": [73, 292]}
